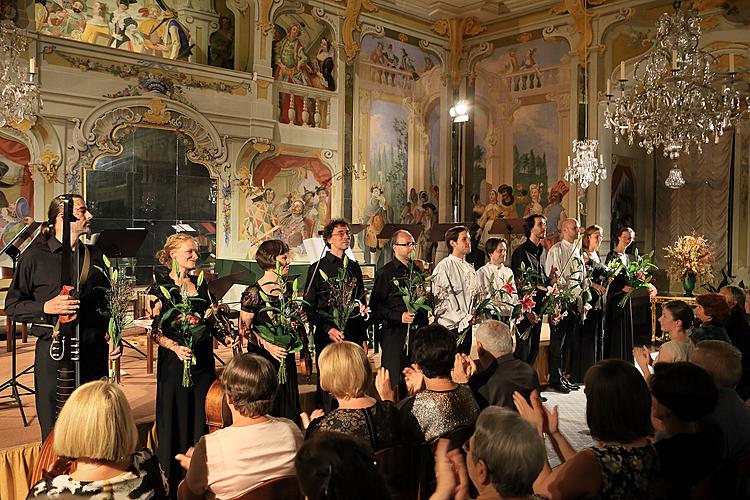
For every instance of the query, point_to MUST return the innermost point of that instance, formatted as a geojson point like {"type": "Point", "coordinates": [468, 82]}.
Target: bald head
{"type": "Point", "coordinates": [403, 245]}
{"type": "Point", "coordinates": [569, 229]}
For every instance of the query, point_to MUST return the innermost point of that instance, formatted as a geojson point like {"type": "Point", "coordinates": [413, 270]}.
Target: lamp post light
{"type": "Point", "coordinates": [460, 115]}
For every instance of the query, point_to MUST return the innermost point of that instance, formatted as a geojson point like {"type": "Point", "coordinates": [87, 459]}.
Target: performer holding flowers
{"type": "Point", "coordinates": [271, 320]}
{"type": "Point", "coordinates": [185, 368]}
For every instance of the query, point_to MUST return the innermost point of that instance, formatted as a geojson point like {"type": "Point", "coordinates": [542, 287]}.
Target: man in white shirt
{"type": "Point", "coordinates": [455, 288]}
{"type": "Point", "coordinates": [565, 256]}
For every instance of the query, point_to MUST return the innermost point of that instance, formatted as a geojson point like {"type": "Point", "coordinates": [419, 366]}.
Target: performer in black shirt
{"type": "Point", "coordinates": [34, 298]}
{"type": "Point", "coordinates": [388, 307]}
{"type": "Point", "coordinates": [530, 253]}
{"type": "Point", "coordinates": [318, 295]}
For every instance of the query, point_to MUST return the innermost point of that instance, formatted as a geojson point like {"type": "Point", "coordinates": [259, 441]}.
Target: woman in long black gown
{"type": "Point", "coordinates": [180, 411]}
{"type": "Point", "coordinates": [270, 252]}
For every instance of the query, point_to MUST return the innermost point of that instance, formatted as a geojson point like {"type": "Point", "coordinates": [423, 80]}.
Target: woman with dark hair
{"type": "Point", "coordinates": [270, 253]}
{"type": "Point", "coordinates": [676, 320]}
{"type": "Point", "coordinates": [623, 463]}
{"type": "Point", "coordinates": [713, 312]}
{"type": "Point", "coordinates": [438, 405]}
{"type": "Point", "coordinates": [681, 395]}
{"type": "Point", "coordinates": [335, 466]}
{"type": "Point", "coordinates": [618, 322]}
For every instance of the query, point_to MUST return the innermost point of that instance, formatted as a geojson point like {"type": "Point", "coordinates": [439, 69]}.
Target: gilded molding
{"type": "Point", "coordinates": [49, 163]}
{"type": "Point", "coordinates": [351, 24]}
{"type": "Point", "coordinates": [457, 28]}
{"type": "Point", "coordinates": [240, 5]}
{"type": "Point", "coordinates": [264, 15]}
{"type": "Point", "coordinates": [581, 21]}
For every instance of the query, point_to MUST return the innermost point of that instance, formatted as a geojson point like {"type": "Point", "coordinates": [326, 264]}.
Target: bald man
{"type": "Point", "coordinates": [565, 260]}
{"type": "Point", "coordinates": [389, 310]}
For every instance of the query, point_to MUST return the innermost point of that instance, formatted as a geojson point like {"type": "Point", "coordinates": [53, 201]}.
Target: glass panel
{"type": "Point", "coordinates": [154, 197]}
{"type": "Point", "coordinates": [109, 193]}
{"type": "Point", "coordinates": [194, 194]}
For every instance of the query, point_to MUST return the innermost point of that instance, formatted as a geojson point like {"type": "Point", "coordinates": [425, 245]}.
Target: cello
{"type": "Point", "coordinates": [218, 415]}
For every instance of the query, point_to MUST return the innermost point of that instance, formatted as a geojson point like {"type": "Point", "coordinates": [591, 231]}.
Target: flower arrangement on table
{"type": "Point", "coordinates": [637, 273]}
{"type": "Point", "coordinates": [118, 296]}
{"type": "Point", "coordinates": [285, 319]}
{"type": "Point", "coordinates": [690, 258]}
{"type": "Point", "coordinates": [181, 316]}
{"type": "Point", "coordinates": [343, 303]}
{"type": "Point", "coordinates": [413, 291]}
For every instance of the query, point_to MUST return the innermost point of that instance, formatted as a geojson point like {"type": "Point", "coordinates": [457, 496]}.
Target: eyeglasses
{"type": "Point", "coordinates": [410, 244]}
{"type": "Point", "coordinates": [466, 448]}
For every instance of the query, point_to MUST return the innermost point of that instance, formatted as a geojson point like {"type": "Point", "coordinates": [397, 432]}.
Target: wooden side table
{"type": "Point", "coordinates": [660, 300]}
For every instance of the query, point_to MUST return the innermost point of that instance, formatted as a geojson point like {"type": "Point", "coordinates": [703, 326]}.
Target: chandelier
{"type": "Point", "coordinates": [675, 100]}
{"type": "Point", "coordinates": [587, 166]}
{"type": "Point", "coordinates": [674, 180]}
{"type": "Point", "coordinates": [19, 94]}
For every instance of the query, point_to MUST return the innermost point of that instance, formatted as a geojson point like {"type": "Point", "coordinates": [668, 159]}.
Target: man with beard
{"type": "Point", "coordinates": [507, 202]}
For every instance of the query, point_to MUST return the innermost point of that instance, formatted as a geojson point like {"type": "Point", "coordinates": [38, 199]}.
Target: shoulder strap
{"type": "Point", "coordinates": [371, 429]}
{"type": "Point", "coordinates": [86, 265]}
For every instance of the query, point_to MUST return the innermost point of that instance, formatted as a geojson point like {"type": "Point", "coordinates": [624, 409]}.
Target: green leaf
{"type": "Point", "coordinates": [165, 292]}
{"type": "Point", "coordinates": [323, 274]}
{"type": "Point", "coordinates": [200, 279]}
{"type": "Point", "coordinates": [106, 261]}
{"type": "Point", "coordinates": [346, 261]}
{"type": "Point", "coordinates": [295, 285]}
{"type": "Point", "coordinates": [176, 267]}
{"type": "Point", "coordinates": [114, 275]}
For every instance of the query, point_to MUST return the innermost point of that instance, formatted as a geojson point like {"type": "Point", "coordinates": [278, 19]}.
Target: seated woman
{"type": "Point", "coordinates": [345, 373]}
{"type": "Point", "coordinates": [96, 429]}
{"type": "Point", "coordinates": [623, 463]}
{"type": "Point", "coordinates": [682, 394]}
{"type": "Point", "coordinates": [334, 466]}
{"type": "Point", "coordinates": [255, 448]}
{"type": "Point", "coordinates": [713, 312]}
{"type": "Point", "coordinates": [503, 458]}
{"type": "Point", "coordinates": [673, 351]}
{"type": "Point", "coordinates": [438, 405]}
{"type": "Point", "coordinates": [676, 320]}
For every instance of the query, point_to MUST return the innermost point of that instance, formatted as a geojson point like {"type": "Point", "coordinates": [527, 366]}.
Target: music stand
{"type": "Point", "coordinates": [437, 233]}
{"type": "Point", "coordinates": [390, 229]}
{"type": "Point", "coordinates": [12, 250]}
{"type": "Point", "coordinates": [508, 227]}
{"type": "Point", "coordinates": [118, 244]}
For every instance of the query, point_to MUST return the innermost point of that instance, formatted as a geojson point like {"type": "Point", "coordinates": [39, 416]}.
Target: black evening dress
{"type": "Point", "coordinates": [618, 321]}
{"type": "Point", "coordinates": [180, 411]}
{"type": "Point", "coordinates": [287, 403]}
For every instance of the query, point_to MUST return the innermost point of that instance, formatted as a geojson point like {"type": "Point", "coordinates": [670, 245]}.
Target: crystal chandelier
{"type": "Point", "coordinates": [674, 179]}
{"type": "Point", "coordinates": [19, 94]}
{"type": "Point", "coordinates": [587, 166]}
{"type": "Point", "coordinates": [675, 101]}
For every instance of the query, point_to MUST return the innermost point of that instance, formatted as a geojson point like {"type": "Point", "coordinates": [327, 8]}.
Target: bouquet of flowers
{"type": "Point", "coordinates": [690, 254]}
{"type": "Point", "coordinates": [286, 318]}
{"type": "Point", "coordinates": [497, 297]}
{"type": "Point", "coordinates": [636, 273]}
{"type": "Point", "coordinates": [118, 295]}
{"type": "Point", "coordinates": [182, 318]}
{"type": "Point", "coordinates": [414, 294]}
{"type": "Point", "coordinates": [344, 304]}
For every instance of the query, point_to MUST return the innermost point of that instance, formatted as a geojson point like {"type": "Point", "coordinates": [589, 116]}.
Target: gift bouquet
{"type": "Point", "coordinates": [118, 295]}
{"type": "Point", "coordinates": [636, 273]}
{"type": "Point", "coordinates": [181, 317]}
{"type": "Point", "coordinates": [413, 291]}
{"type": "Point", "coordinates": [342, 300]}
{"type": "Point", "coordinates": [285, 319]}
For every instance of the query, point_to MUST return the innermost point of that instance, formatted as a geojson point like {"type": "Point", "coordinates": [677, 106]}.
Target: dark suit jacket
{"type": "Point", "coordinates": [495, 385]}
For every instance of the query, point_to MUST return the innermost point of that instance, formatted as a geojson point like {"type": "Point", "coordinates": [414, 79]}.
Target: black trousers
{"type": "Point", "coordinates": [566, 329]}
{"type": "Point", "coordinates": [528, 348]}
{"type": "Point", "coordinates": [94, 357]}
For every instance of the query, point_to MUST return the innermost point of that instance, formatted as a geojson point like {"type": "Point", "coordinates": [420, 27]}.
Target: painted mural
{"type": "Point", "coordinates": [394, 63]}
{"type": "Point", "coordinates": [479, 158]}
{"type": "Point", "coordinates": [16, 189]}
{"type": "Point", "coordinates": [433, 154]}
{"type": "Point", "coordinates": [268, 213]}
{"type": "Point", "coordinates": [150, 27]}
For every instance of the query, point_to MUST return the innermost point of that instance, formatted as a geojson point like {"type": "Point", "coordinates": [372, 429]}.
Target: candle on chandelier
{"type": "Point", "coordinates": [601, 161]}
{"type": "Point", "coordinates": [32, 65]}
{"type": "Point", "coordinates": [674, 60]}
{"type": "Point", "coordinates": [568, 160]}
{"type": "Point", "coordinates": [622, 70]}
{"type": "Point", "coordinates": [609, 87]}
{"type": "Point", "coordinates": [263, 183]}
{"type": "Point", "coordinates": [364, 170]}
{"type": "Point", "coordinates": [731, 63]}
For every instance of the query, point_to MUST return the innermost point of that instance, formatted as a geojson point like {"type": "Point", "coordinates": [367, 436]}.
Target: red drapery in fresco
{"type": "Point", "coordinates": [19, 153]}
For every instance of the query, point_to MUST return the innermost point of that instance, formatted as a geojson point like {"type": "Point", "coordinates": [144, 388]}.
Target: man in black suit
{"type": "Point", "coordinates": [738, 330]}
{"type": "Point", "coordinates": [497, 374]}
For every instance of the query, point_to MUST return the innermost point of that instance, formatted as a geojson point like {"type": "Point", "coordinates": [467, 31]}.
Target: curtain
{"type": "Point", "coordinates": [701, 205]}
{"type": "Point", "coordinates": [16, 467]}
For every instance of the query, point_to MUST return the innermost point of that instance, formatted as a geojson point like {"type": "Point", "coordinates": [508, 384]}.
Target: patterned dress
{"type": "Point", "coordinates": [626, 472]}
{"type": "Point", "coordinates": [379, 425]}
{"type": "Point", "coordinates": [142, 480]}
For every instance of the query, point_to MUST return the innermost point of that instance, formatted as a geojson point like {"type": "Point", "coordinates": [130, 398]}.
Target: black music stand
{"type": "Point", "coordinates": [437, 233]}
{"type": "Point", "coordinates": [390, 229]}
{"type": "Point", "coordinates": [12, 250]}
{"type": "Point", "coordinates": [508, 227]}
{"type": "Point", "coordinates": [119, 244]}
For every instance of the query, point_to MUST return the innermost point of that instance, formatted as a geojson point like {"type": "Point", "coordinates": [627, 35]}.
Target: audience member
{"type": "Point", "coordinates": [738, 330]}
{"type": "Point", "coordinates": [623, 463]}
{"type": "Point", "coordinates": [676, 319]}
{"type": "Point", "coordinates": [672, 351]}
{"type": "Point", "coordinates": [681, 394]}
{"type": "Point", "coordinates": [503, 458]}
{"type": "Point", "coordinates": [334, 466]}
{"type": "Point", "coordinates": [255, 448]}
{"type": "Point", "coordinates": [499, 373]}
{"type": "Point", "coordinates": [96, 430]}
{"type": "Point", "coordinates": [729, 423]}
{"type": "Point", "coordinates": [345, 373]}
{"type": "Point", "coordinates": [712, 312]}
{"type": "Point", "coordinates": [438, 405]}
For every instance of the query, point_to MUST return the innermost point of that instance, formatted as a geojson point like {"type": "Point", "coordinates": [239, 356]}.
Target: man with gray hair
{"type": "Point", "coordinates": [497, 373]}
{"type": "Point", "coordinates": [738, 330]}
{"type": "Point", "coordinates": [729, 423]}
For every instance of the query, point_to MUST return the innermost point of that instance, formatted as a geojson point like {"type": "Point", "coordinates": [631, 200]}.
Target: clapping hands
{"type": "Point", "coordinates": [537, 413]}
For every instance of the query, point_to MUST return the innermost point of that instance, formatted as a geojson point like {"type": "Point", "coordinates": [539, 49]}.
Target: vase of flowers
{"type": "Point", "coordinates": [118, 296]}
{"type": "Point", "coordinates": [690, 259]}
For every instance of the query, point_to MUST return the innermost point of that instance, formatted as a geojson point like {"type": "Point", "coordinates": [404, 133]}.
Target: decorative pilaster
{"type": "Point", "coordinates": [457, 29]}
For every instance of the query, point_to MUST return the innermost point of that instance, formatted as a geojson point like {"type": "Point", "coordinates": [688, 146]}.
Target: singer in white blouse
{"type": "Point", "coordinates": [496, 274]}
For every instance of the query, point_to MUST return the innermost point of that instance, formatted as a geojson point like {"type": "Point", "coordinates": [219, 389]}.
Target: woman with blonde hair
{"type": "Point", "coordinates": [346, 374]}
{"type": "Point", "coordinates": [96, 429]}
{"type": "Point", "coordinates": [180, 410]}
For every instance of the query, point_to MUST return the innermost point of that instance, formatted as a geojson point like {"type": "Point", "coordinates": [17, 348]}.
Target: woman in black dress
{"type": "Point", "coordinates": [286, 404]}
{"type": "Point", "coordinates": [180, 411]}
